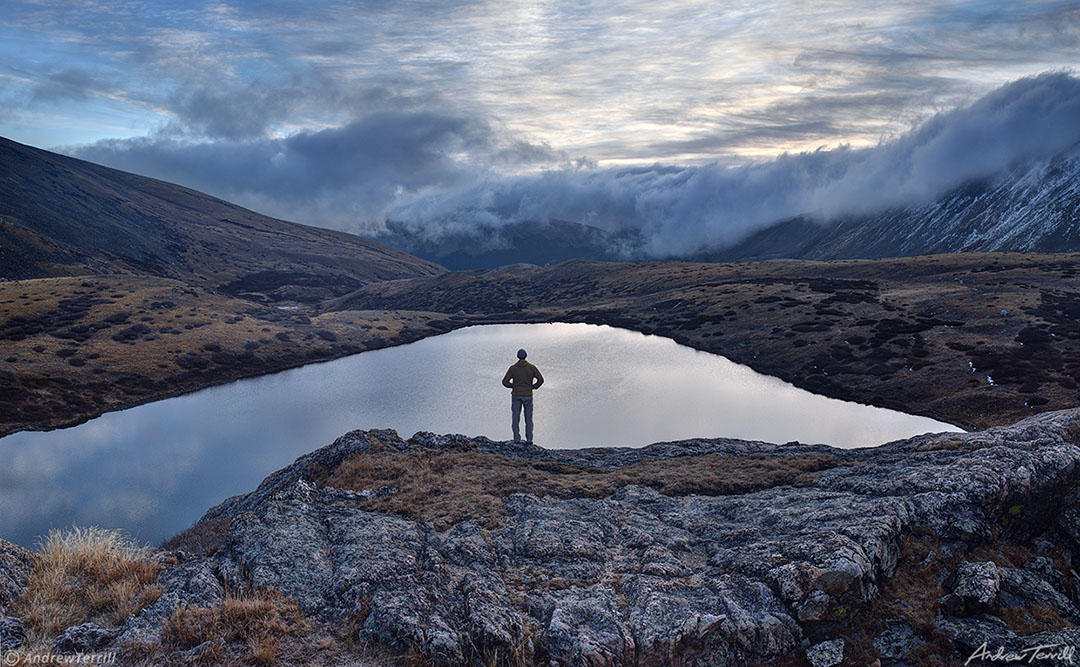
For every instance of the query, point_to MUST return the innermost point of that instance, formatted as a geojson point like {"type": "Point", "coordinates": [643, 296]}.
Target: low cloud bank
{"type": "Point", "coordinates": [346, 177]}
{"type": "Point", "coordinates": [440, 174]}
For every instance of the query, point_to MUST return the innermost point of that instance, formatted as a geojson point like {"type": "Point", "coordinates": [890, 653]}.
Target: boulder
{"type": "Point", "coordinates": [897, 641]}
{"type": "Point", "coordinates": [826, 654]}
{"type": "Point", "coordinates": [15, 566]}
{"type": "Point", "coordinates": [12, 633]}
{"type": "Point", "coordinates": [969, 634]}
{"type": "Point", "coordinates": [977, 584]}
{"type": "Point", "coordinates": [85, 638]}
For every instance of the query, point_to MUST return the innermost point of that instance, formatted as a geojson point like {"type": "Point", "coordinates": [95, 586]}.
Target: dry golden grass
{"type": "Point", "coordinates": [258, 622]}
{"type": "Point", "coordinates": [451, 485]}
{"type": "Point", "coordinates": [86, 574]}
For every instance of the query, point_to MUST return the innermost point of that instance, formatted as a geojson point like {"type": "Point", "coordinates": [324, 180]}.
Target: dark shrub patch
{"type": "Point", "coordinates": [192, 361]}
{"type": "Point", "coordinates": [1031, 335]}
{"type": "Point", "coordinates": [223, 358]}
{"type": "Point", "coordinates": [204, 538]}
{"type": "Point", "coordinates": [131, 333]}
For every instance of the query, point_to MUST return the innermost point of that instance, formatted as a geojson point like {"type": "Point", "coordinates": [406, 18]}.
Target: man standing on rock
{"type": "Point", "coordinates": [520, 378]}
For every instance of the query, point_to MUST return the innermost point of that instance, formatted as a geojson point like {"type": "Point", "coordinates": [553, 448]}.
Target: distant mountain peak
{"type": "Point", "coordinates": [1034, 206]}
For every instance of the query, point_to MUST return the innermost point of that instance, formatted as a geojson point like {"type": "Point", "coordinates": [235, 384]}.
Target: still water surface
{"type": "Point", "coordinates": [156, 468]}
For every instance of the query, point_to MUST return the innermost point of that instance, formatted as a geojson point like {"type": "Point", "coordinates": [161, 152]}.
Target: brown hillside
{"type": "Point", "coordinates": [62, 216]}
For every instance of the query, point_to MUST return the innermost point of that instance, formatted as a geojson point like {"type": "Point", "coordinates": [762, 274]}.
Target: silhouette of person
{"type": "Point", "coordinates": [522, 378]}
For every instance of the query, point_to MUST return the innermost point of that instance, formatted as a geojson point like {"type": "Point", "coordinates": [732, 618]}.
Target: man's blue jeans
{"type": "Point", "coordinates": [516, 403]}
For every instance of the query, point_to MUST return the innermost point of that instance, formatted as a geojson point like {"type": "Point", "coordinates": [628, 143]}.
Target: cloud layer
{"type": "Point", "coordinates": [625, 83]}
{"type": "Point", "coordinates": [691, 123]}
{"type": "Point", "coordinates": [345, 177]}
{"type": "Point", "coordinates": [441, 174]}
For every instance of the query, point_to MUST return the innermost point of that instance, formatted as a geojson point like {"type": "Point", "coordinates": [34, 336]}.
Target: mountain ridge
{"type": "Point", "coordinates": [64, 216]}
{"type": "Point", "coordinates": [1032, 207]}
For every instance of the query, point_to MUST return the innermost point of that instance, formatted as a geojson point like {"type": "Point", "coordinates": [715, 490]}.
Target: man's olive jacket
{"type": "Point", "coordinates": [520, 376]}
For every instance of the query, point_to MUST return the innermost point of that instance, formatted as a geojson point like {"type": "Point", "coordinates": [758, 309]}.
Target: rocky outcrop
{"type": "Point", "coordinates": [640, 577]}
{"type": "Point", "coordinates": [15, 565]}
{"type": "Point", "coordinates": [975, 587]}
{"type": "Point", "coordinates": [898, 640]}
{"type": "Point", "coordinates": [806, 569]}
{"type": "Point", "coordinates": [12, 633]}
{"type": "Point", "coordinates": [85, 638]}
{"type": "Point", "coordinates": [826, 654]}
{"type": "Point", "coordinates": [184, 584]}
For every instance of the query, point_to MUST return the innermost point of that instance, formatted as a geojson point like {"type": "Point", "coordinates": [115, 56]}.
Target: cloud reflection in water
{"type": "Point", "coordinates": [156, 468]}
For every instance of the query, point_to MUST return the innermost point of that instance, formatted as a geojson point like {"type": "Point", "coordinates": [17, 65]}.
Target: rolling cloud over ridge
{"type": "Point", "coordinates": [439, 173]}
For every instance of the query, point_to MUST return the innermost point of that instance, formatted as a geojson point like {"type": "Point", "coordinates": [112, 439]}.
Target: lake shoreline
{"type": "Point", "coordinates": [205, 347]}
{"type": "Point", "coordinates": [936, 328]}
{"type": "Point", "coordinates": [380, 344]}
{"type": "Point", "coordinates": [270, 369]}
{"type": "Point", "coordinates": [153, 469]}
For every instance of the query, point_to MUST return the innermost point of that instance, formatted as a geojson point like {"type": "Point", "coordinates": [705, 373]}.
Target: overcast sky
{"type": "Point", "coordinates": [344, 113]}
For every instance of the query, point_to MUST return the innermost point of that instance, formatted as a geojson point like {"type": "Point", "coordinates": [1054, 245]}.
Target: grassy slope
{"type": "Point", "coordinates": [69, 352]}
{"type": "Point", "coordinates": [181, 290]}
{"type": "Point", "coordinates": [62, 216]}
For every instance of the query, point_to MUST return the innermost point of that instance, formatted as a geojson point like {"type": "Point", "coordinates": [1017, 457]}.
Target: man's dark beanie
{"type": "Point", "coordinates": [521, 354]}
